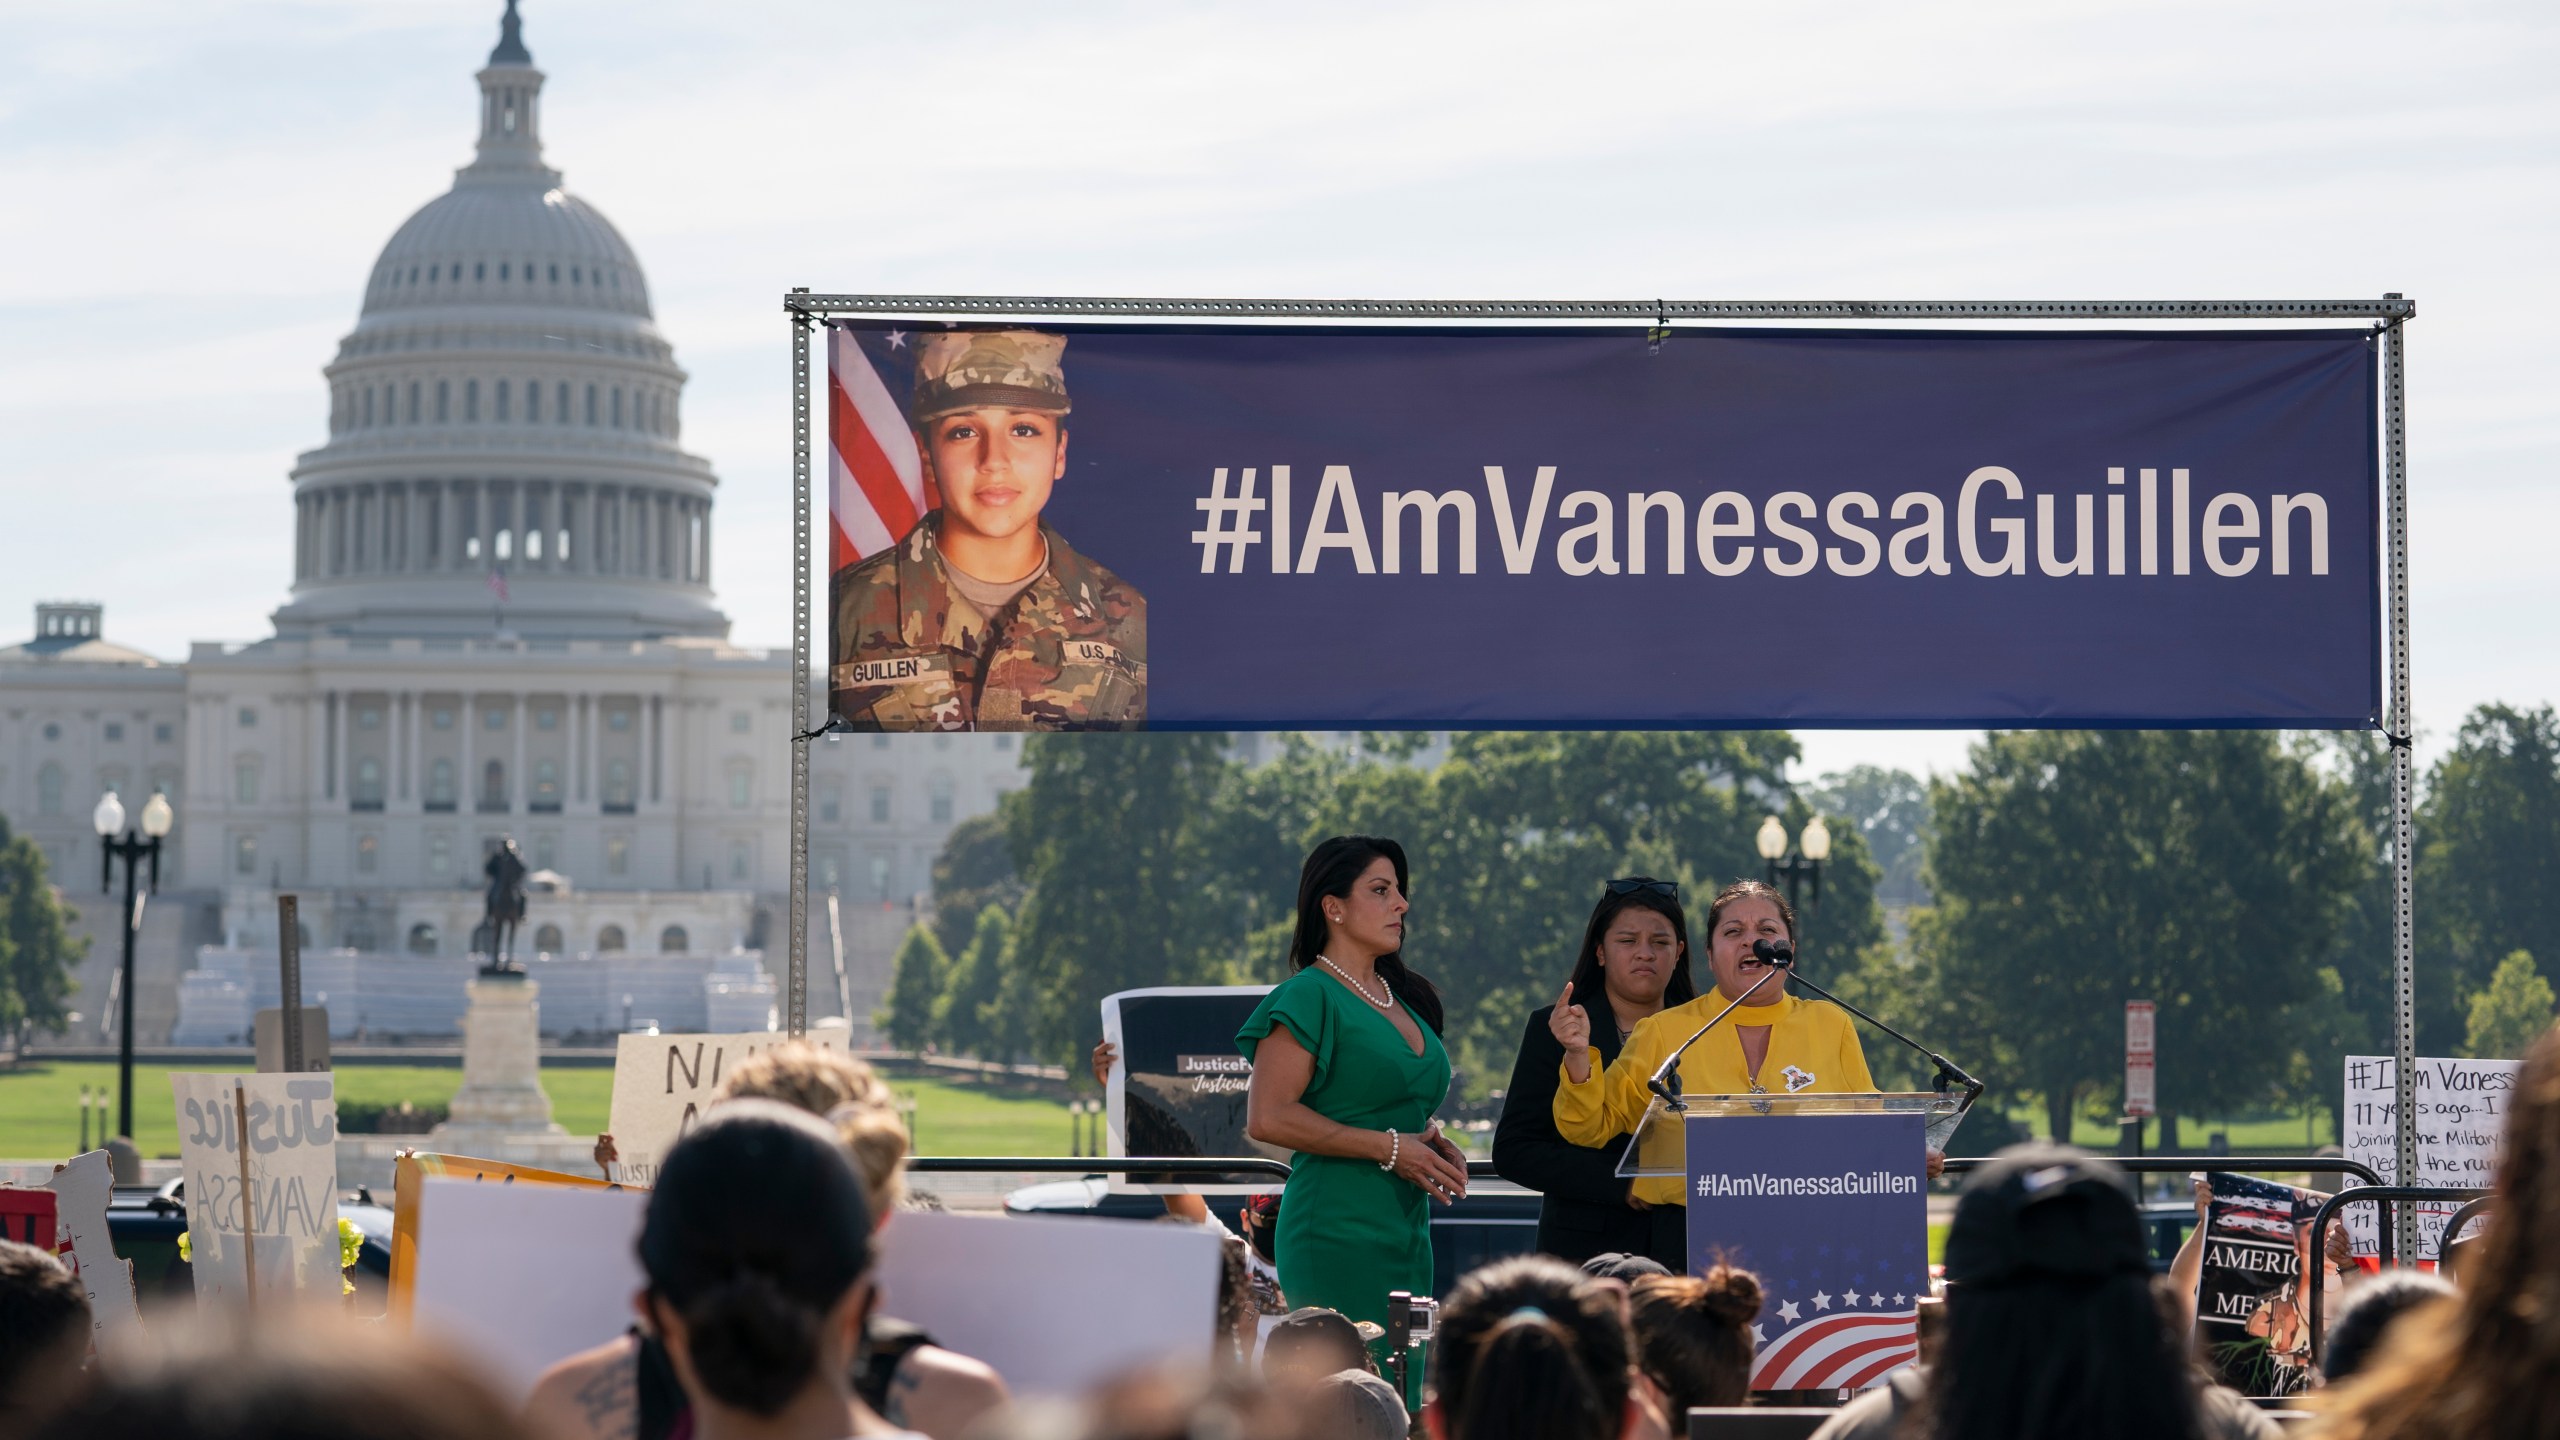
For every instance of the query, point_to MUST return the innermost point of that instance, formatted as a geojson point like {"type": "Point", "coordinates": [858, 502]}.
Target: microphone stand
{"type": "Point", "coordinates": [1666, 1079]}
{"type": "Point", "coordinates": [1947, 1069]}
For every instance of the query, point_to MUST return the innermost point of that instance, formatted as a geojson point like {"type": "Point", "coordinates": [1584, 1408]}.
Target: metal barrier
{"type": "Point", "coordinates": [2377, 1194]}
{"type": "Point", "coordinates": [1094, 1165]}
{"type": "Point", "coordinates": [2240, 1164]}
{"type": "Point", "coordinates": [2470, 1211]}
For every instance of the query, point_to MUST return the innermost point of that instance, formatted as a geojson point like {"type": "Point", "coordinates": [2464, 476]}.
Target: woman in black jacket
{"type": "Point", "coordinates": [1634, 961]}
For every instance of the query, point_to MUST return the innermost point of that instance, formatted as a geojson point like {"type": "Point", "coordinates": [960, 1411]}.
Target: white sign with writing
{"type": "Point", "coordinates": [662, 1084]}
{"type": "Point", "coordinates": [287, 1207]}
{"type": "Point", "coordinates": [2462, 1107]}
{"type": "Point", "coordinates": [81, 1188]}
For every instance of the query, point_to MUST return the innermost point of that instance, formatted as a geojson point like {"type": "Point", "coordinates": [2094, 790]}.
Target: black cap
{"type": "Point", "coordinates": [1619, 1265]}
{"type": "Point", "coordinates": [2042, 1211]}
{"type": "Point", "coordinates": [1314, 1322]}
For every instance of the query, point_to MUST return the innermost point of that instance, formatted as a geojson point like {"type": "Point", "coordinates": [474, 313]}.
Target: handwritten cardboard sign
{"type": "Point", "coordinates": [2462, 1109]}
{"type": "Point", "coordinates": [289, 1206]}
{"type": "Point", "coordinates": [663, 1083]}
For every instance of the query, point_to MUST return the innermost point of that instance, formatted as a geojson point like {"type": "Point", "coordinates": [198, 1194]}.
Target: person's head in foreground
{"type": "Point", "coordinates": [1355, 1405]}
{"type": "Point", "coordinates": [1309, 1345]}
{"type": "Point", "coordinates": [286, 1377]}
{"type": "Point", "coordinates": [849, 1095]}
{"type": "Point", "coordinates": [2364, 1314]}
{"type": "Point", "coordinates": [1693, 1335]}
{"type": "Point", "coordinates": [2488, 1363]}
{"type": "Point", "coordinates": [44, 1335]}
{"type": "Point", "coordinates": [1530, 1348]}
{"type": "Point", "coordinates": [757, 1249]}
{"type": "Point", "coordinates": [2050, 1325]}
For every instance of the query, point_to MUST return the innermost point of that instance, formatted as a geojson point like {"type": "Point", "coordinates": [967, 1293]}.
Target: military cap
{"type": "Point", "coordinates": [964, 369]}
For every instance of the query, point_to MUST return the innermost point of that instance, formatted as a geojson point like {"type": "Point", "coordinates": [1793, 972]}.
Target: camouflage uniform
{"type": "Point", "coordinates": [1070, 652]}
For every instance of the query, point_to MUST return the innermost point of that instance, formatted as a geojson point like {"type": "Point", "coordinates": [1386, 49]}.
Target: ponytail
{"type": "Point", "coordinates": [1693, 1334]}
{"type": "Point", "coordinates": [1529, 1385]}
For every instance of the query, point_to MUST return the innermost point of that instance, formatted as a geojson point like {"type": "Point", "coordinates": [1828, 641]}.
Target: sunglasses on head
{"type": "Point", "coordinates": [1645, 884]}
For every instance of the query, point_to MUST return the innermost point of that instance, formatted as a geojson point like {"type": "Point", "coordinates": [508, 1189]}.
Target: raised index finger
{"type": "Point", "coordinates": [1567, 997]}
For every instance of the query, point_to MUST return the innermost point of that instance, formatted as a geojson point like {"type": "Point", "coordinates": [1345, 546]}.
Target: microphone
{"type": "Point", "coordinates": [1775, 953]}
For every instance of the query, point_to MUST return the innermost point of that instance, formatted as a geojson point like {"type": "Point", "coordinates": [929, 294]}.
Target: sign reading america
{"type": "Point", "coordinates": [1832, 1214]}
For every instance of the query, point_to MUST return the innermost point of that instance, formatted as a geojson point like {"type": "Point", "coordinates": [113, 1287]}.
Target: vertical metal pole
{"type": "Point", "coordinates": [798, 1023]}
{"type": "Point", "coordinates": [124, 1019]}
{"type": "Point", "coordinates": [289, 967]}
{"type": "Point", "coordinates": [2402, 728]}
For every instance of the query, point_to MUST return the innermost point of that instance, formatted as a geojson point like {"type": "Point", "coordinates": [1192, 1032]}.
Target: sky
{"type": "Point", "coordinates": [195, 192]}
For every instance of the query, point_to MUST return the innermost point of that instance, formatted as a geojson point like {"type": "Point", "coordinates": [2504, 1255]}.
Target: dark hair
{"type": "Point", "coordinates": [757, 1227]}
{"type": "Point", "coordinates": [1751, 890]}
{"type": "Point", "coordinates": [2368, 1310]}
{"type": "Point", "coordinates": [40, 1304]}
{"type": "Point", "coordinates": [1530, 1348]}
{"type": "Point", "coordinates": [1693, 1335]}
{"type": "Point", "coordinates": [1331, 870]}
{"type": "Point", "coordinates": [1589, 983]}
{"type": "Point", "coordinates": [284, 1379]}
{"type": "Point", "coordinates": [2051, 1328]}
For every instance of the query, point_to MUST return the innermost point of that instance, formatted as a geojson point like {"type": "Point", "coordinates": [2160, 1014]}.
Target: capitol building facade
{"type": "Point", "coordinates": [501, 625]}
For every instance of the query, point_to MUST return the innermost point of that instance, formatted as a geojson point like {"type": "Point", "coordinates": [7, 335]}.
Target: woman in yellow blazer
{"type": "Point", "coordinates": [1776, 1044]}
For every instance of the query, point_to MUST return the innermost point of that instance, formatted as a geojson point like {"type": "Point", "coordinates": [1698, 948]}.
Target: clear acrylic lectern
{"type": "Point", "coordinates": [1660, 1146]}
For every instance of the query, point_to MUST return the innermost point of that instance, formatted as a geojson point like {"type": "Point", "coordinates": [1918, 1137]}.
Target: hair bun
{"type": "Point", "coordinates": [753, 1344]}
{"type": "Point", "coordinates": [1730, 1294]}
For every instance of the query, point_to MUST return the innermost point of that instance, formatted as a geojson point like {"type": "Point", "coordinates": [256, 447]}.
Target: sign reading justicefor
{"type": "Point", "coordinates": [1179, 1087]}
{"type": "Point", "coordinates": [289, 1209]}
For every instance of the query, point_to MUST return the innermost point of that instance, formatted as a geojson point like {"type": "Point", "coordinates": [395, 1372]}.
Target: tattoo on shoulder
{"type": "Point", "coordinates": [609, 1401]}
{"type": "Point", "coordinates": [902, 1384]}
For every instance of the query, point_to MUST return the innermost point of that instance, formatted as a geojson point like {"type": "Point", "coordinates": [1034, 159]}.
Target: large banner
{"type": "Point", "coordinates": [1263, 527]}
{"type": "Point", "coordinates": [1832, 1212]}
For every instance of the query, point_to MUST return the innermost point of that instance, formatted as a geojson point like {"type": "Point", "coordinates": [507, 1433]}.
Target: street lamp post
{"type": "Point", "coordinates": [1801, 870]}
{"type": "Point", "coordinates": [134, 847]}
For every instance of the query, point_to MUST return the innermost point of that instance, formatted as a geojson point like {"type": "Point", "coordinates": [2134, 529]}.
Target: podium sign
{"type": "Point", "coordinates": [1831, 1211]}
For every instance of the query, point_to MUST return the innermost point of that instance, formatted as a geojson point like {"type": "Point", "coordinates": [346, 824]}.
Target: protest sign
{"type": "Point", "coordinates": [285, 1207]}
{"type": "Point", "coordinates": [27, 1216]}
{"type": "Point", "coordinates": [2252, 1324]}
{"type": "Point", "coordinates": [409, 1176]}
{"type": "Point", "coordinates": [1157, 1283]}
{"type": "Point", "coordinates": [521, 1276]}
{"type": "Point", "coordinates": [662, 1084]}
{"type": "Point", "coordinates": [2462, 1107]}
{"type": "Point", "coordinates": [1179, 1087]}
{"type": "Point", "coordinates": [81, 1190]}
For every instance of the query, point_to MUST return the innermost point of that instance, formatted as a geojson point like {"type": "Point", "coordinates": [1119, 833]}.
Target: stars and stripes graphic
{"type": "Point", "coordinates": [1852, 1349]}
{"type": "Point", "coordinates": [876, 485]}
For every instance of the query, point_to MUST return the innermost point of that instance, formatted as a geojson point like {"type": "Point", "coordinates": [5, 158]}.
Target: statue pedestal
{"type": "Point", "coordinates": [501, 1095]}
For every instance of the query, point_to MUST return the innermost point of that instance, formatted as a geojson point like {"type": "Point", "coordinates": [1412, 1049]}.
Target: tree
{"type": "Point", "coordinates": [2488, 859]}
{"type": "Point", "coordinates": [913, 987]}
{"type": "Point", "coordinates": [974, 870]}
{"type": "Point", "coordinates": [1105, 838]}
{"type": "Point", "coordinates": [2511, 1012]}
{"type": "Point", "coordinates": [965, 1018]}
{"type": "Point", "coordinates": [37, 949]}
{"type": "Point", "coordinates": [2207, 871]}
{"type": "Point", "coordinates": [1890, 809]}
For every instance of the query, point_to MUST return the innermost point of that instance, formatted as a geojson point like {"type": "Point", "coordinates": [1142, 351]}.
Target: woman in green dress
{"type": "Point", "coordinates": [1347, 1068]}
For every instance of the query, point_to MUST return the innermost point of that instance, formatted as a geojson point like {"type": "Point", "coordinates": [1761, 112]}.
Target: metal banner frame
{"type": "Point", "coordinates": [806, 311]}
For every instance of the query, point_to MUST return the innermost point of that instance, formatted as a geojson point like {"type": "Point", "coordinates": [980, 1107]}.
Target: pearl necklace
{"type": "Point", "coordinates": [1387, 1004]}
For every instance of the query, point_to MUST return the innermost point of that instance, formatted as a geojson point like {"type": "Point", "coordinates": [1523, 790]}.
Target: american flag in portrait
{"type": "Point", "coordinates": [876, 485]}
{"type": "Point", "coordinates": [1831, 1212]}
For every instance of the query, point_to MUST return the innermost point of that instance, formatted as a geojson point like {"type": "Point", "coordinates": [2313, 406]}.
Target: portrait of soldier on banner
{"type": "Point", "coordinates": [956, 605]}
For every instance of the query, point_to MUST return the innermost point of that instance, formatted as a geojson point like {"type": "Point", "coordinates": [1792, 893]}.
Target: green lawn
{"type": "Point", "coordinates": [40, 1107]}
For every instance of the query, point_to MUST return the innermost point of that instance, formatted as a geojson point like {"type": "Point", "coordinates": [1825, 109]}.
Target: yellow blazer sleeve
{"type": "Point", "coordinates": [1853, 1056]}
{"type": "Point", "coordinates": [1609, 1104]}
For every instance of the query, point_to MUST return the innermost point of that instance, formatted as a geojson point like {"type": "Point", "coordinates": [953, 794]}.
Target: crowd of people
{"type": "Point", "coordinates": [760, 1317]}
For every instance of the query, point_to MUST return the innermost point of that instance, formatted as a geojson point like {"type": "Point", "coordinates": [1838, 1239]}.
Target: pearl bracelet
{"type": "Point", "coordinates": [1395, 1147]}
